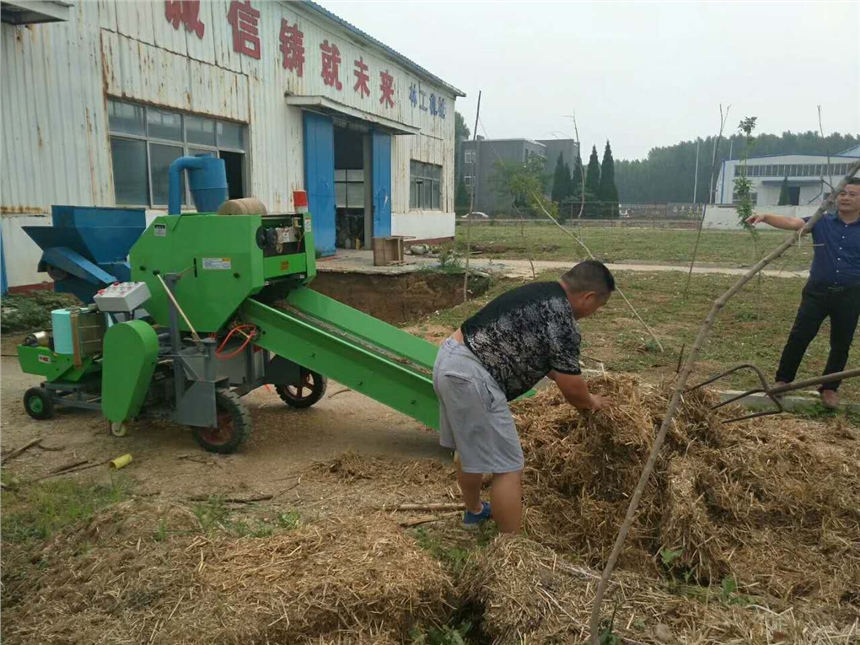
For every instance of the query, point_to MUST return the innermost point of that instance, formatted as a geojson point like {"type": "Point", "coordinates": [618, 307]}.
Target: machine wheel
{"type": "Point", "coordinates": [234, 425]}
{"type": "Point", "coordinates": [311, 390]}
{"type": "Point", "coordinates": [38, 403]}
{"type": "Point", "coordinates": [118, 429]}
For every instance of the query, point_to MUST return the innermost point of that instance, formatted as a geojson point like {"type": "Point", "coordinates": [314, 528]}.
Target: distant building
{"type": "Point", "coordinates": [568, 149]}
{"type": "Point", "coordinates": [804, 172]}
{"type": "Point", "coordinates": [479, 168]}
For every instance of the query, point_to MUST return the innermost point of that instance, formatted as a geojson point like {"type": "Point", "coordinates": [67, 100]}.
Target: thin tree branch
{"type": "Point", "coordinates": [826, 149]}
{"type": "Point", "coordinates": [471, 207]}
{"type": "Point", "coordinates": [591, 255]}
{"type": "Point", "coordinates": [723, 119]}
{"type": "Point", "coordinates": [718, 305]}
{"type": "Point", "coordinates": [581, 176]}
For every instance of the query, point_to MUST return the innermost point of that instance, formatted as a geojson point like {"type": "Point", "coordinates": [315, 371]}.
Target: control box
{"type": "Point", "coordinates": [122, 297]}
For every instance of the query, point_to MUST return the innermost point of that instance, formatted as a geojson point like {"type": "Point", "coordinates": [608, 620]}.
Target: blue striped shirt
{"type": "Point", "coordinates": [836, 259]}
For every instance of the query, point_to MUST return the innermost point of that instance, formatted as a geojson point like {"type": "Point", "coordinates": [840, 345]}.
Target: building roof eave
{"type": "Point", "coordinates": [406, 62]}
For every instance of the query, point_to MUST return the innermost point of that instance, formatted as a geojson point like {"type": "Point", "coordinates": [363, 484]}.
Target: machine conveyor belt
{"type": "Point", "coordinates": [352, 348]}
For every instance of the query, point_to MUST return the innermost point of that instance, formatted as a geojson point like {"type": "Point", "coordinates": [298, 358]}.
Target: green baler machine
{"type": "Point", "coordinates": [226, 309]}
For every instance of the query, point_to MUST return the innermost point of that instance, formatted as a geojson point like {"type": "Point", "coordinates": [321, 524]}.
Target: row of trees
{"type": "Point", "coordinates": [601, 193]}
{"type": "Point", "coordinates": [668, 173]}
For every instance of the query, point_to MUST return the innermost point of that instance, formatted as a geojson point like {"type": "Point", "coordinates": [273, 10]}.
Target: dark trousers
{"type": "Point", "coordinates": [818, 302]}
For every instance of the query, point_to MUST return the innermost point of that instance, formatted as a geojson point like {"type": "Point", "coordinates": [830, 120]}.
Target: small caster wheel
{"type": "Point", "coordinates": [118, 428]}
{"type": "Point", "coordinates": [234, 424]}
{"type": "Point", "coordinates": [39, 404]}
{"type": "Point", "coordinates": [311, 389]}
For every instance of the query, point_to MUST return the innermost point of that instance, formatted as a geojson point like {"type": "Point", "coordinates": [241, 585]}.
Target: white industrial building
{"type": "Point", "coordinates": [99, 97]}
{"type": "Point", "coordinates": [806, 175]}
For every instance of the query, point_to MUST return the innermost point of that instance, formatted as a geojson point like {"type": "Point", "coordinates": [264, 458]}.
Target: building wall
{"type": "Point", "coordinates": [490, 153]}
{"type": "Point", "coordinates": [803, 171]}
{"type": "Point", "coordinates": [567, 147]}
{"type": "Point", "coordinates": [56, 79]}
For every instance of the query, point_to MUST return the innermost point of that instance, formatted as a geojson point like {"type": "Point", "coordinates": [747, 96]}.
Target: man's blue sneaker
{"type": "Point", "coordinates": [472, 520]}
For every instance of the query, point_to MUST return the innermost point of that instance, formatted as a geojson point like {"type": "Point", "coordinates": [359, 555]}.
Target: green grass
{"type": "Point", "coordinates": [37, 511]}
{"type": "Point", "coordinates": [214, 516]}
{"type": "Point", "coordinates": [647, 245]}
{"type": "Point", "coordinates": [753, 327]}
{"type": "Point", "coordinates": [32, 312]}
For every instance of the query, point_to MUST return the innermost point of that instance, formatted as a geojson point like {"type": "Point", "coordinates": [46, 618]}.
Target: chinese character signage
{"type": "Point", "coordinates": [293, 48]}
{"type": "Point", "coordinates": [386, 85]}
{"type": "Point", "coordinates": [185, 12]}
{"type": "Point", "coordinates": [330, 65]}
{"type": "Point", "coordinates": [243, 18]}
{"type": "Point", "coordinates": [361, 78]}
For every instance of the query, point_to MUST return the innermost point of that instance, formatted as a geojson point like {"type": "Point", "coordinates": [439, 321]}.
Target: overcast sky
{"type": "Point", "coordinates": [641, 74]}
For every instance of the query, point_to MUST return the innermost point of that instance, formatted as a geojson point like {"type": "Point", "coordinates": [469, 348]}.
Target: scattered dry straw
{"type": "Point", "coordinates": [774, 504]}
{"type": "Point", "coordinates": [528, 594]}
{"type": "Point", "coordinates": [356, 581]}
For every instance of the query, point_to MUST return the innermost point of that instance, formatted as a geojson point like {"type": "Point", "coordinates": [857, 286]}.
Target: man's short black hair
{"type": "Point", "coordinates": [854, 181]}
{"type": "Point", "coordinates": [590, 275]}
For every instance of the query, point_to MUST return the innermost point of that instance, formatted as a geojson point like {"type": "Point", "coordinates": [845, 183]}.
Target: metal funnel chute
{"type": "Point", "coordinates": [87, 248]}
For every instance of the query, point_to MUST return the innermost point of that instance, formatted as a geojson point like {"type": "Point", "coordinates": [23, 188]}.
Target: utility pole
{"type": "Point", "coordinates": [696, 179]}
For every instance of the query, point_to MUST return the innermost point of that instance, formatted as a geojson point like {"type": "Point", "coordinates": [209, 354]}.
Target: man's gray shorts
{"type": "Point", "coordinates": [474, 417]}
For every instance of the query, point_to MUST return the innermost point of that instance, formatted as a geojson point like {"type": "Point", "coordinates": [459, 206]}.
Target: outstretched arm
{"type": "Point", "coordinates": [576, 392]}
{"type": "Point", "coordinates": [777, 221]}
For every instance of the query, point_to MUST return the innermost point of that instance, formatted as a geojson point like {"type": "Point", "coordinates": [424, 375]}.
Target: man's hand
{"type": "Point", "coordinates": [599, 403]}
{"type": "Point", "coordinates": [752, 220]}
{"type": "Point", "coordinates": [576, 392]}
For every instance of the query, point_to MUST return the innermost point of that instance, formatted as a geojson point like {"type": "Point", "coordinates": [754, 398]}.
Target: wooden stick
{"type": "Point", "coordinates": [233, 500]}
{"type": "Point", "coordinates": [471, 205]}
{"type": "Point", "coordinates": [591, 255]}
{"type": "Point", "coordinates": [178, 308]}
{"type": "Point", "coordinates": [18, 451]}
{"type": "Point", "coordinates": [424, 507]}
{"type": "Point", "coordinates": [718, 305]}
{"type": "Point", "coordinates": [73, 470]}
{"type": "Point", "coordinates": [69, 466]}
{"type": "Point", "coordinates": [425, 519]}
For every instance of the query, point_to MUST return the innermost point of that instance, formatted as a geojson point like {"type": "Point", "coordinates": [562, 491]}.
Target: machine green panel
{"type": "Point", "coordinates": [54, 367]}
{"type": "Point", "coordinates": [357, 323]}
{"type": "Point", "coordinates": [130, 357]}
{"type": "Point", "coordinates": [217, 256]}
{"type": "Point", "coordinates": [348, 359]}
{"type": "Point", "coordinates": [276, 266]}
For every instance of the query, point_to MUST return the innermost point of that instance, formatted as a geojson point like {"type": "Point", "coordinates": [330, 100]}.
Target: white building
{"type": "Point", "coordinates": [98, 98]}
{"type": "Point", "coordinates": [804, 172]}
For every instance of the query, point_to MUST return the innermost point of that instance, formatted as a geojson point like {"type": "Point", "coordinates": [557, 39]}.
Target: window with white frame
{"type": "Point", "coordinates": [471, 156]}
{"type": "Point", "coordinates": [145, 140]}
{"type": "Point", "coordinates": [467, 179]}
{"type": "Point", "coordinates": [425, 186]}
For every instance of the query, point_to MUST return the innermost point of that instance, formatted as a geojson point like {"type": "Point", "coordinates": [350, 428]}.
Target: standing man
{"type": "Point", "coordinates": [499, 354]}
{"type": "Point", "coordinates": [833, 289]}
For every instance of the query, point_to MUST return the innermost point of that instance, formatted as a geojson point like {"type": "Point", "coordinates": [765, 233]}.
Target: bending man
{"type": "Point", "coordinates": [499, 354]}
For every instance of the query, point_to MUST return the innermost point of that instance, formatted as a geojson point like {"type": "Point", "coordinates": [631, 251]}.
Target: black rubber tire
{"type": "Point", "coordinates": [294, 395]}
{"type": "Point", "coordinates": [234, 425]}
{"type": "Point", "coordinates": [39, 403]}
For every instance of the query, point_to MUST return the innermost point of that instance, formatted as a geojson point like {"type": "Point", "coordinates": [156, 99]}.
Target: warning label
{"type": "Point", "coordinates": [160, 230]}
{"type": "Point", "coordinates": [44, 358]}
{"type": "Point", "coordinates": [307, 225]}
{"type": "Point", "coordinates": [217, 264]}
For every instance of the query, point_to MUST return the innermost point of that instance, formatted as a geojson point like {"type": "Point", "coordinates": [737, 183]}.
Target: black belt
{"type": "Point", "coordinates": [835, 289]}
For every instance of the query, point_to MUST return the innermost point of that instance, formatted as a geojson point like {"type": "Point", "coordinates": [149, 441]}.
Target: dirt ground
{"type": "Point", "coordinates": [276, 460]}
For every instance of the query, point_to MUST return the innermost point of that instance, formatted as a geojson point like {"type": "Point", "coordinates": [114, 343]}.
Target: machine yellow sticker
{"type": "Point", "coordinates": [217, 264]}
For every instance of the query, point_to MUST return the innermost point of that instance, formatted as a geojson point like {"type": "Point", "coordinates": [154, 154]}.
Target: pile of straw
{"type": "Point", "coordinates": [774, 504]}
{"type": "Point", "coordinates": [528, 594]}
{"type": "Point", "coordinates": [357, 581]}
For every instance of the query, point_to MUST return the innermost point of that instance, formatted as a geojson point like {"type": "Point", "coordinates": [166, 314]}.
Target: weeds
{"type": "Point", "coordinates": [42, 509]}
{"type": "Point", "coordinates": [32, 311]}
{"type": "Point", "coordinates": [214, 515]}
